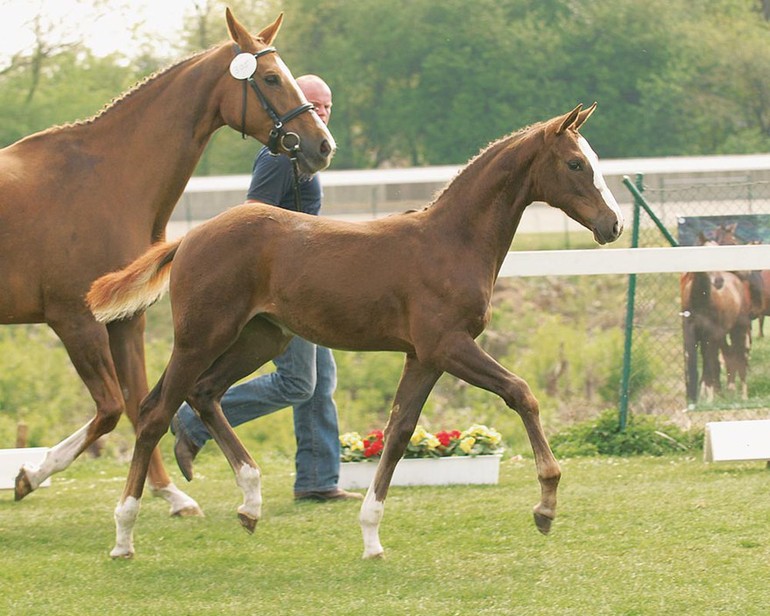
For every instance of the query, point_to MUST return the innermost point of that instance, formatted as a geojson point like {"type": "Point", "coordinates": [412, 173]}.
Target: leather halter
{"type": "Point", "coordinates": [278, 134]}
{"type": "Point", "coordinates": [289, 141]}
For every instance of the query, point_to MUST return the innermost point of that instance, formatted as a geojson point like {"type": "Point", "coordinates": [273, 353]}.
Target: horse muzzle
{"type": "Point", "coordinates": [610, 233]}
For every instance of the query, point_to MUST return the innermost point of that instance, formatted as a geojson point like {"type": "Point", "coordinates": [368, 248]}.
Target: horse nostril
{"type": "Point", "coordinates": [326, 148]}
{"type": "Point", "coordinates": [618, 228]}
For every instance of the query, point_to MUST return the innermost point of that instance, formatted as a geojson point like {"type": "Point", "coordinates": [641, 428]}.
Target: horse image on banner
{"type": "Point", "coordinates": [718, 306]}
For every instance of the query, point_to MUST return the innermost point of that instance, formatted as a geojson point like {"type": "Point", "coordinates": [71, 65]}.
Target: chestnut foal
{"type": "Point", "coordinates": [419, 283]}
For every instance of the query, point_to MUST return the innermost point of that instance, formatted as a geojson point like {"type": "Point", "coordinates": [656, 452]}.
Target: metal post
{"type": "Point", "coordinates": [626, 377]}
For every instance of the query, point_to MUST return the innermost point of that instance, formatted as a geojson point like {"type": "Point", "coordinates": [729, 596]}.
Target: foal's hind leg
{"type": "Point", "coordinates": [127, 345]}
{"type": "Point", "coordinates": [416, 383]}
{"type": "Point", "coordinates": [154, 418]}
{"type": "Point", "coordinates": [259, 342]}
{"type": "Point", "coordinates": [461, 356]}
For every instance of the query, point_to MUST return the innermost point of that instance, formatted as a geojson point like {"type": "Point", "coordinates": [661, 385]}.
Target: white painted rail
{"type": "Point", "coordinates": [635, 260]}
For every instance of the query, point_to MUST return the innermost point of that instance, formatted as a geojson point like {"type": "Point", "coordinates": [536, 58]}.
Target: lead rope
{"type": "Point", "coordinates": [295, 167]}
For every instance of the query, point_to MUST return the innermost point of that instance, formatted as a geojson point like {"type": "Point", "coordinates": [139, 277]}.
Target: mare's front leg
{"type": "Point", "coordinates": [415, 385]}
{"type": "Point", "coordinates": [461, 356]}
{"type": "Point", "coordinates": [87, 344]}
{"type": "Point", "coordinates": [259, 342]}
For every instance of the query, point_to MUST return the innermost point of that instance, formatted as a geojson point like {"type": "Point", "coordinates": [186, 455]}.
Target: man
{"type": "Point", "coordinates": [306, 375]}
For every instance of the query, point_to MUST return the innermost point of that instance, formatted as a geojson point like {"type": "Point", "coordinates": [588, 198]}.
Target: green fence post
{"type": "Point", "coordinates": [626, 377]}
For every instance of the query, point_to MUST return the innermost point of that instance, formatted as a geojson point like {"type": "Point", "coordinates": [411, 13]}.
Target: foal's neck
{"type": "Point", "coordinates": [487, 198]}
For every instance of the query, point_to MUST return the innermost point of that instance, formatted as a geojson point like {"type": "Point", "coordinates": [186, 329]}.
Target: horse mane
{"type": "Point", "coordinates": [122, 98]}
{"type": "Point", "coordinates": [509, 140]}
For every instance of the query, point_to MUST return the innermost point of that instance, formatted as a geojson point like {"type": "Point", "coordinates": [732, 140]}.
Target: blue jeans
{"type": "Point", "coordinates": [305, 378]}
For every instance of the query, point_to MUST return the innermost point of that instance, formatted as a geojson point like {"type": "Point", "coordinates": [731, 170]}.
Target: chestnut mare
{"type": "Point", "coordinates": [81, 200]}
{"type": "Point", "coordinates": [717, 320]}
{"type": "Point", "coordinates": [419, 283]}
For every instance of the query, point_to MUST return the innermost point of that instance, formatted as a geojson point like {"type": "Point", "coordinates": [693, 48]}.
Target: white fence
{"type": "Point", "coordinates": [635, 260]}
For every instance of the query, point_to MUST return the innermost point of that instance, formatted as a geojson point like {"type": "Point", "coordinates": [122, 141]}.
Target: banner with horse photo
{"type": "Point", "coordinates": [745, 229]}
{"type": "Point", "coordinates": [718, 309]}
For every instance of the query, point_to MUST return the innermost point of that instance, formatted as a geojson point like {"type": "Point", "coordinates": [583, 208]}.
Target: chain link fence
{"type": "Point", "coordinates": [685, 207]}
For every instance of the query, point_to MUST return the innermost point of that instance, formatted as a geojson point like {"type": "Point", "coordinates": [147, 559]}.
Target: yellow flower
{"type": "Point", "coordinates": [432, 442]}
{"type": "Point", "coordinates": [467, 444]}
{"type": "Point", "coordinates": [418, 435]}
{"type": "Point", "coordinates": [352, 440]}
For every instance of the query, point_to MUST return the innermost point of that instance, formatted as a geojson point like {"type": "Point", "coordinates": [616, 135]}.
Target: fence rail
{"type": "Point", "coordinates": [635, 260]}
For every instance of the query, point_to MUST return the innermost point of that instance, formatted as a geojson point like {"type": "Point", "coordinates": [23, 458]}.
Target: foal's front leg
{"type": "Point", "coordinates": [416, 383]}
{"type": "Point", "coordinates": [463, 358]}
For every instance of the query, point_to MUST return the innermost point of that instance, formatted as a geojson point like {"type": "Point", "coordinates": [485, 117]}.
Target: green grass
{"type": "Point", "coordinates": [634, 536]}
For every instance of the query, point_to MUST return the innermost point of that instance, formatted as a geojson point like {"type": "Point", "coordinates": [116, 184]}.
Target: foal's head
{"type": "Point", "coordinates": [569, 177]}
{"type": "Point", "coordinates": [258, 72]}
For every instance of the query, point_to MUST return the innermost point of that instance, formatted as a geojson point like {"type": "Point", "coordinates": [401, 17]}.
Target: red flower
{"type": "Point", "coordinates": [373, 448]}
{"type": "Point", "coordinates": [445, 438]}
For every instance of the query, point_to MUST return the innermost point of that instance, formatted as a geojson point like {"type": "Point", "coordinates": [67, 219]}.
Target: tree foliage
{"type": "Point", "coordinates": [420, 82]}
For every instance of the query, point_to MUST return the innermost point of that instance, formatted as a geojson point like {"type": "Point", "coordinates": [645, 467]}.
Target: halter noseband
{"type": "Point", "coordinates": [278, 134]}
{"type": "Point", "coordinates": [244, 67]}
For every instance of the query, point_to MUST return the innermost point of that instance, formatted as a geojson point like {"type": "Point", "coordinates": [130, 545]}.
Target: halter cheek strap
{"type": "Point", "coordinates": [278, 135]}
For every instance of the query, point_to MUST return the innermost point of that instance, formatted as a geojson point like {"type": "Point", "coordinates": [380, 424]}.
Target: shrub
{"type": "Point", "coordinates": [644, 435]}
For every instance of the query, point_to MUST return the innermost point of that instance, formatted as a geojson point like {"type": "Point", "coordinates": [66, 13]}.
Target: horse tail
{"type": "Point", "coordinates": [124, 293]}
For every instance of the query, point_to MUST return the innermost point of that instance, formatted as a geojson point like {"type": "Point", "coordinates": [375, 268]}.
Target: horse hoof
{"type": "Point", "coordinates": [248, 523]}
{"type": "Point", "coordinates": [121, 554]}
{"type": "Point", "coordinates": [374, 556]}
{"type": "Point", "coordinates": [543, 522]}
{"type": "Point", "coordinates": [23, 485]}
{"type": "Point", "coordinates": [190, 511]}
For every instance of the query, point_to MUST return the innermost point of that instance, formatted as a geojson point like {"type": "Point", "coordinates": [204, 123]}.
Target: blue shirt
{"type": "Point", "coordinates": [272, 181]}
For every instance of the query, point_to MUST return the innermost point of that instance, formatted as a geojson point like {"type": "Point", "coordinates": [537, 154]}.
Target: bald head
{"type": "Point", "coordinates": [318, 93]}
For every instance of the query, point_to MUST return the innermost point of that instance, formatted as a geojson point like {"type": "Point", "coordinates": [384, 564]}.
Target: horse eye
{"type": "Point", "coordinates": [272, 80]}
{"type": "Point", "coordinates": [575, 165]}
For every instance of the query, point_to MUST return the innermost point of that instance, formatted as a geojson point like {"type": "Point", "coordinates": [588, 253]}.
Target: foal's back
{"type": "Point", "coordinates": [342, 284]}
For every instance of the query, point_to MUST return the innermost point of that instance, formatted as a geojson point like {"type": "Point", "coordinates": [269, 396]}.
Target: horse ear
{"type": "Point", "coordinates": [269, 33]}
{"type": "Point", "coordinates": [569, 119]}
{"type": "Point", "coordinates": [237, 32]}
{"type": "Point", "coordinates": [242, 37]}
{"type": "Point", "coordinates": [583, 116]}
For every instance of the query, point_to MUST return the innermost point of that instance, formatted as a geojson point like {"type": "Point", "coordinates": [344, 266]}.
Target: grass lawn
{"type": "Point", "coordinates": [651, 536]}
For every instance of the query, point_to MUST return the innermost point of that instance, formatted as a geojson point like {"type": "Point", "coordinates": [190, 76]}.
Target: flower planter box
{"type": "Point", "coordinates": [11, 461]}
{"type": "Point", "coordinates": [452, 470]}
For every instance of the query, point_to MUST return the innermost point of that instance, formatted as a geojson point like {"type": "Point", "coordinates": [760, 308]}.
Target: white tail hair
{"type": "Point", "coordinates": [124, 293]}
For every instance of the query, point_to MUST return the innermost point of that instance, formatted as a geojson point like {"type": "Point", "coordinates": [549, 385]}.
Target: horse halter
{"type": "Point", "coordinates": [244, 67]}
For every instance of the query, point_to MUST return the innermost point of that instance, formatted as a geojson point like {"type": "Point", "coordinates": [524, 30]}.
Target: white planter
{"type": "Point", "coordinates": [425, 472]}
{"type": "Point", "coordinates": [11, 461]}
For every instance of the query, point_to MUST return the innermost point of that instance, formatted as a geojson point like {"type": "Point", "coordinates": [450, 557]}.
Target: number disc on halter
{"type": "Point", "coordinates": [243, 66]}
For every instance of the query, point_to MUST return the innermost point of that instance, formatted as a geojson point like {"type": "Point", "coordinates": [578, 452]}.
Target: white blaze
{"type": "Point", "coordinates": [599, 182]}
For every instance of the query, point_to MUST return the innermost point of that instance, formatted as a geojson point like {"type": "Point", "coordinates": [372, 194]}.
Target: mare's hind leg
{"type": "Point", "coordinates": [258, 343]}
{"type": "Point", "coordinates": [127, 346]}
{"type": "Point", "coordinates": [461, 356]}
{"type": "Point", "coordinates": [88, 347]}
{"type": "Point", "coordinates": [415, 385]}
